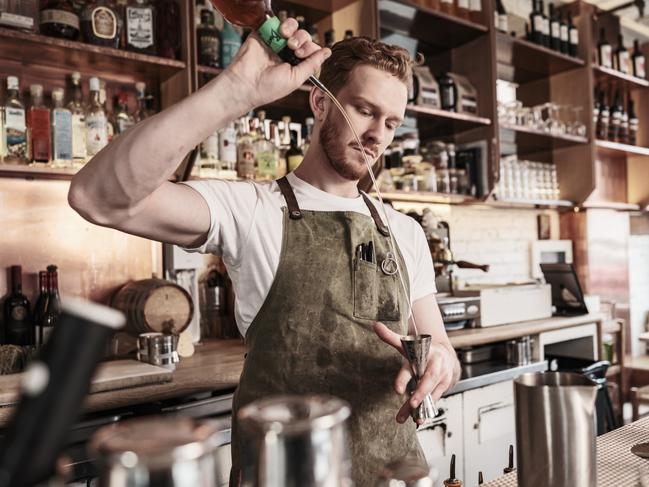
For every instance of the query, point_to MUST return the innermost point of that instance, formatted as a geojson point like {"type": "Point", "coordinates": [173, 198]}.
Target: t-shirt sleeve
{"type": "Point", "coordinates": [423, 280]}
{"type": "Point", "coordinates": [232, 208]}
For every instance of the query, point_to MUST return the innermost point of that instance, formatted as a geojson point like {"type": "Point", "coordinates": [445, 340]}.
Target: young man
{"type": "Point", "coordinates": [312, 311]}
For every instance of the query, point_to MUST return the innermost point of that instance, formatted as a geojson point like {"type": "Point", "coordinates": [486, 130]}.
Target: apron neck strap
{"type": "Point", "coordinates": [295, 213]}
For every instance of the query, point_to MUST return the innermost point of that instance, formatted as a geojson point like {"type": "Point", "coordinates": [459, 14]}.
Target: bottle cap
{"type": "Point", "coordinates": [140, 87]}
{"type": "Point", "coordinates": [76, 77]}
{"type": "Point", "coordinates": [36, 90]}
{"type": "Point", "coordinates": [94, 84]}
{"type": "Point", "coordinates": [57, 94]}
{"type": "Point", "coordinates": [12, 82]}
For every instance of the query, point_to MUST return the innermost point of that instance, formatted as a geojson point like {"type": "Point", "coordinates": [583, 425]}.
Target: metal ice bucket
{"type": "Point", "coordinates": [295, 441]}
{"type": "Point", "coordinates": [160, 452]}
{"type": "Point", "coordinates": [555, 430]}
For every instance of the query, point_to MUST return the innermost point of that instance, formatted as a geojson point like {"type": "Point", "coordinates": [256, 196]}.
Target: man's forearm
{"type": "Point", "coordinates": [139, 161]}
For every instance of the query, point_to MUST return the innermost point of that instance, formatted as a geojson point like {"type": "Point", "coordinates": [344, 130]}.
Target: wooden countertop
{"type": "Point", "coordinates": [469, 337]}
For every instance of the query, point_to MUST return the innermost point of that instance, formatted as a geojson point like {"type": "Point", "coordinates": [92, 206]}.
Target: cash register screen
{"type": "Point", "coordinates": [567, 296]}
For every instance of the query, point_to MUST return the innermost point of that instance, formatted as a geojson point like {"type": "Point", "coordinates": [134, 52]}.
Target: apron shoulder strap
{"type": "Point", "coordinates": [293, 208]}
{"type": "Point", "coordinates": [375, 215]}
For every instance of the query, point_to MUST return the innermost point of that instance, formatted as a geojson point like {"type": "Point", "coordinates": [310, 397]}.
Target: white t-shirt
{"type": "Point", "coordinates": [246, 231]}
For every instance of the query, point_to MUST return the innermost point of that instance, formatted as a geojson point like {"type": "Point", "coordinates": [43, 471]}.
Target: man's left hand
{"type": "Point", "coordinates": [442, 371]}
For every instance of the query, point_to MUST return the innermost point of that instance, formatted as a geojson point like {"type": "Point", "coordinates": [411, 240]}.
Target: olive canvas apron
{"type": "Point", "coordinates": [314, 335]}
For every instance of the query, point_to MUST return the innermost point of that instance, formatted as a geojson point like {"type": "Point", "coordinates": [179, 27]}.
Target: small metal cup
{"type": "Point", "coordinates": [416, 348]}
{"type": "Point", "coordinates": [143, 340]}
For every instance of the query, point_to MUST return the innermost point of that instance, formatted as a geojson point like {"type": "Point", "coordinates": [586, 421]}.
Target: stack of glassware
{"type": "Point", "coordinates": [548, 117]}
{"type": "Point", "coordinates": [527, 180]}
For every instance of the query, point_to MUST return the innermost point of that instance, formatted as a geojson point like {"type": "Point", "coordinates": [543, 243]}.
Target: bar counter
{"type": "Point", "coordinates": [616, 465]}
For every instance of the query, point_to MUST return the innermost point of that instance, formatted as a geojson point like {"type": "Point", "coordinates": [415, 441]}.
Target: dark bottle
{"type": "Point", "coordinates": [329, 38]}
{"type": "Point", "coordinates": [448, 92]}
{"type": "Point", "coordinates": [615, 118]}
{"type": "Point", "coordinates": [604, 50]}
{"type": "Point", "coordinates": [638, 61]}
{"type": "Point", "coordinates": [621, 57]}
{"type": "Point", "coordinates": [546, 25]}
{"type": "Point", "coordinates": [41, 306]}
{"type": "Point", "coordinates": [536, 24]}
{"type": "Point", "coordinates": [59, 19]}
{"type": "Point", "coordinates": [501, 22]}
{"type": "Point", "coordinates": [53, 309]}
{"type": "Point", "coordinates": [573, 37]}
{"type": "Point", "coordinates": [597, 105]}
{"type": "Point", "coordinates": [603, 119]}
{"type": "Point", "coordinates": [632, 135]}
{"type": "Point", "coordinates": [294, 154]}
{"type": "Point", "coordinates": [139, 26]}
{"type": "Point", "coordinates": [564, 39]}
{"type": "Point", "coordinates": [209, 41]}
{"type": "Point", "coordinates": [555, 29]}
{"type": "Point", "coordinates": [349, 34]}
{"type": "Point", "coordinates": [101, 24]}
{"type": "Point", "coordinates": [168, 30]}
{"type": "Point", "coordinates": [18, 325]}
{"type": "Point", "coordinates": [623, 131]}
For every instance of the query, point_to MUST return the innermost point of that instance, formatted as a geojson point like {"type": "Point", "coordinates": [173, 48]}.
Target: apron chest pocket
{"type": "Point", "coordinates": [375, 293]}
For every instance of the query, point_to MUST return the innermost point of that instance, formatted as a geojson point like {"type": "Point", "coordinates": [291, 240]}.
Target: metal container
{"type": "Point", "coordinates": [295, 441]}
{"type": "Point", "coordinates": [519, 351]}
{"type": "Point", "coordinates": [160, 452]}
{"type": "Point", "coordinates": [555, 430]}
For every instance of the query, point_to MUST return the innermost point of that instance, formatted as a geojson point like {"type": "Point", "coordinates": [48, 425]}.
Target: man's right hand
{"type": "Point", "coordinates": [264, 77]}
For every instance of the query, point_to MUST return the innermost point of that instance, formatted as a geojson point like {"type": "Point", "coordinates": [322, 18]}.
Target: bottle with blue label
{"type": "Point", "coordinates": [61, 131]}
{"type": "Point", "coordinates": [230, 44]}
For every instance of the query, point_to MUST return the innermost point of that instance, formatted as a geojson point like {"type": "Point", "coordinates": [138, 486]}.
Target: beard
{"type": "Point", "coordinates": [350, 168]}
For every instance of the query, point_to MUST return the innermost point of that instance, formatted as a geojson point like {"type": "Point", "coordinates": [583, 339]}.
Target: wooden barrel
{"type": "Point", "coordinates": [154, 305]}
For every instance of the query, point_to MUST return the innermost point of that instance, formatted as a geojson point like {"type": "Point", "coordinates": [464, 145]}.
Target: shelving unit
{"type": "Point", "coordinates": [531, 141]}
{"type": "Point", "coordinates": [617, 149]}
{"type": "Point", "coordinates": [457, 199]}
{"type": "Point", "coordinates": [443, 122]}
{"type": "Point", "coordinates": [624, 81]}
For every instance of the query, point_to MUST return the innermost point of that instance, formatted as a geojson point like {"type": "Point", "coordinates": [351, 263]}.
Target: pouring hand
{"type": "Point", "coordinates": [439, 376]}
{"type": "Point", "coordinates": [263, 78]}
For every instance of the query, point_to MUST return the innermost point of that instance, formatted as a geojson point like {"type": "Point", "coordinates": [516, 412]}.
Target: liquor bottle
{"type": "Point", "coordinates": [604, 51]}
{"type": "Point", "coordinates": [142, 112]}
{"type": "Point", "coordinates": [638, 61]}
{"type": "Point", "coordinates": [555, 30]}
{"type": "Point", "coordinates": [448, 92]}
{"type": "Point", "coordinates": [573, 37]}
{"type": "Point", "coordinates": [266, 152]}
{"type": "Point", "coordinates": [621, 57]}
{"type": "Point", "coordinates": [18, 325]}
{"type": "Point", "coordinates": [596, 105]}
{"type": "Point", "coordinates": [209, 40]}
{"type": "Point", "coordinates": [79, 144]}
{"type": "Point", "coordinates": [475, 11]}
{"type": "Point", "coordinates": [53, 309]}
{"type": "Point", "coordinates": [140, 27]}
{"type": "Point", "coordinates": [59, 19]}
{"type": "Point", "coordinates": [615, 118]}
{"type": "Point", "coordinates": [447, 6]}
{"type": "Point", "coordinates": [168, 31]}
{"type": "Point", "coordinates": [230, 44]}
{"type": "Point", "coordinates": [209, 149]}
{"type": "Point", "coordinates": [501, 22]}
{"type": "Point", "coordinates": [564, 36]}
{"type": "Point", "coordinates": [15, 126]}
{"type": "Point", "coordinates": [632, 136]}
{"type": "Point", "coordinates": [245, 150]}
{"type": "Point", "coordinates": [61, 131]}
{"type": "Point", "coordinates": [19, 14]}
{"type": "Point", "coordinates": [40, 130]}
{"type": "Point", "coordinates": [103, 101]}
{"type": "Point", "coordinates": [536, 24]}
{"type": "Point", "coordinates": [329, 38]}
{"type": "Point", "coordinates": [603, 119]}
{"type": "Point", "coordinates": [546, 25]}
{"type": "Point", "coordinates": [101, 24]}
{"type": "Point", "coordinates": [623, 131]}
{"type": "Point", "coordinates": [40, 306]}
{"type": "Point", "coordinates": [96, 122]}
{"type": "Point", "coordinates": [123, 119]}
{"type": "Point", "coordinates": [349, 34]}
{"type": "Point", "coordinates": [228, 147]}
{"type": "Point", "coordinates": [276, 137]}
{"type": "Point", "coordinates": [294, 154]}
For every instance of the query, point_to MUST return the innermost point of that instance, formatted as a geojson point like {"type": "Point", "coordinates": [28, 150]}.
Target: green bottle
{"type": "Point", "coordinates": [230, 44]}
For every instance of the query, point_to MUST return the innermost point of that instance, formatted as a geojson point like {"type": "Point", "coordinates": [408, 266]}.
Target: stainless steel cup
{"type": "Point", "coordinates": [555, 430]}
{"type": "Point", "coordinates": [295, 441]}
{"type": "Point", "coordinates": [143, 345]}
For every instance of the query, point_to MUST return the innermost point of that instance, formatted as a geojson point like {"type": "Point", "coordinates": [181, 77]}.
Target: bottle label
{"type": "Point", "coordinates": [16, 132]}
{"type": "Point", "coordinates": [123, 124]}
{"type": "Point", "coordinates": [605, 56]}
{"type": "Point", "coordinates": [79, 144]}
{"type": "Point", "coordinates": [228, 146]}
{"type": "Point", "coordinates": [267, 163]}
{"type": "Point", "coordinates": [104, 23]}
{"type": "Point", "coordinates": [62, 128]}
{"type": "Point", "coordinates": [623, 61]}
{"type": "Point", "coordinates": [210, 147]}
{"type": "Point", "coordinates": [269, 32]}
{"type": "Point", "coordinates": [56, 16]}
{"type": "Point", "coordinates": [546, 27]}
{"type": "Point", "coordinates": [96, 133]}
{"type": "Point", "coordinates": [564, 33]}
{"type": "Point", "coordinates": [19, 313]}
{"type": "Point", "coordinates": [245, 161]}
{"type": "Point", "coordinates": [555, 27]}
{"type": "Point", "coordinates": [139, 27]}
{"type": "Point", "coordinates": [574, 37]}
{"type": "Point", "coordinates": [538, 23]}
{"type": "Point", "coordinates": [639, 67]}
{"type": "Point", "coordinates": [476, 5]}
{"type": "Point", "coordinates": [210, 47]}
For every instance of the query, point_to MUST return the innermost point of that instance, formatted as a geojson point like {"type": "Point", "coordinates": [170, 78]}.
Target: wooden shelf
{"type": "Point", "coordinates": [616, 149]}
{"type": "Point", "coordinates": [521, 61]}
{"type": "Point", "coordinates": [529, 141]}
{"type": "Point", "coordinates": [209, 70]}
{"type": "Point", "coordinates": [434, 28]}
{"type": "Point", "coordinates": [427, 197]}
{"type": "Point", "coordinates": [36, 171]}
{"type": "Point", "coordinates": [443, 122]}
{"type": "Point", "coordinates": [515, 203]}
{"type": "Point", "coordinates": [627, 81]}
{"type": "Point", "coordinates": [611, 205]}
{"type": "Point", "coordinates": [18, 46]}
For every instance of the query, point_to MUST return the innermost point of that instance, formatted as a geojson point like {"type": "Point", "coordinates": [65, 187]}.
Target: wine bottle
{"type": "Point", "coordinates": [546, 25]}
{"type": "Point", "coordinates": [623, 130]}
{"type": "Point", "coordinates": [18, 325]}
{"type": "Point", "coordinates": [536, 24]}
{"type": "Point", "coordinates": [621, 57]}
{"type": "Point", "coordinates": [53, 310]}
{"type": "Point", "coordinates": [632, 135]}
{"type": "Point", "coordinates": [41, 306]}
{"type": "Point", "coordinates": [555, 29]}
{"type": "Point", "coordinates": [638, 61]}
{"type": "Point", "coordinates": [603, 119]}
{"type": "Point", "coordinates": [573, 37]}
{"type": "Point", "coordinates": [500, 17]}
{"type": "Point", "coordinates": [564, 36]}
{"type": "Point", "coordinates": [616, 116]}
{"type": "Point", "coordinates": [604, 57]}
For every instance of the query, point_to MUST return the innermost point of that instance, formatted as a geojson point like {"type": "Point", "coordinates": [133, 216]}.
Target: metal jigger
{"type": "Point", "coordinates": [416, 348]}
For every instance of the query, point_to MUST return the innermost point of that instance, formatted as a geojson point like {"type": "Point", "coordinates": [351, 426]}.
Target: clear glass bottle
{"type": "Point", "coordinates": [61, 131]}
{"type": "Point", "coordinates": [96, 122]}
{"type": "Point", "coordinates": [40, 130]}
{"type": "Point", "coordinates": [123, 119]}
{"type": "Point", "coordinates": [266, 153]}
{"type": "Point", "coordinates": [139, 26]}
{"type": "Point", "coordinates": [245, 150]}
{"type": "Point", "coordinates": [228, 147]}
{"type": "Point", "coordinates": [209, 161]}
{"type": "Point", "coordinates": [15, 126]}
{"type": "Point", "coordinates": [76, 107]}
{"type": "Point", "coordinates": [59, 19]}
